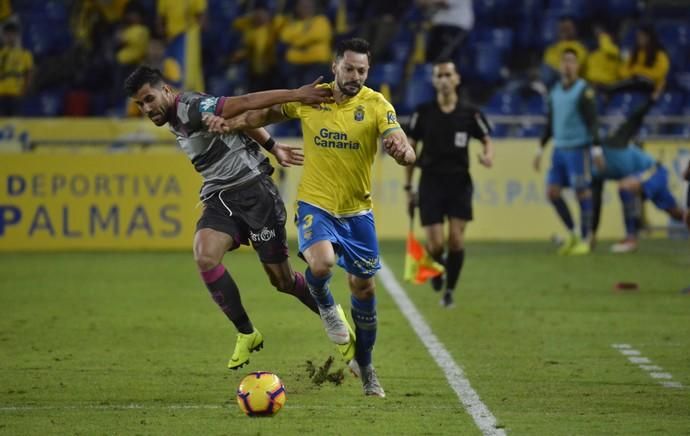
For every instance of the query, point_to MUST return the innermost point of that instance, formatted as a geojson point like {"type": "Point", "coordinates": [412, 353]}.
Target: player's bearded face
{"type": "Point", "coordinates": [351, 72]}
{"type": "Point", "coordinates": [154, 103]}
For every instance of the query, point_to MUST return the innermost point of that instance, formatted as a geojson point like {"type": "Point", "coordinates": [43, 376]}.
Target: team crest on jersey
{"type": "Point", "coordinates": [390, 116]}
{"type": "Point", "coordinates": [208, 104]}
{"type": "Point", "coordinates": [359, 113]}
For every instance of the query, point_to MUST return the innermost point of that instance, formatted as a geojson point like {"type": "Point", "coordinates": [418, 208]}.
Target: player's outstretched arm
{"type": "Point", "coordinates": [308, 94]}
{"type": "Point", "coordinates": [252, 119]}
{"type": "Point", "coordinates": [396, 145]}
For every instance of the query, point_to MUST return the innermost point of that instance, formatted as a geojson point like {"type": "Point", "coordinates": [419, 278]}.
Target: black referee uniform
{"type": "Point", "coordinates": [445, 185]}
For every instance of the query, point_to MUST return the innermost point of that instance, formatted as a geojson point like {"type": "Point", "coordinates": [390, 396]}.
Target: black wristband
{"type": "Point", "coordinates": [407, 187]}
{"type": "Point", "coordinates": [268, 145]}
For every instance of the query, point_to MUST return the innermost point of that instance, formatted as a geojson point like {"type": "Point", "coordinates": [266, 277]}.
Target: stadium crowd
{"type": "Point", "coordinates": [68, 57]}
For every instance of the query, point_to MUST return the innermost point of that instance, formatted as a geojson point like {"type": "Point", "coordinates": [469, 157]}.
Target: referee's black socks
{"type": "Point", "coordinates": [454, 262]}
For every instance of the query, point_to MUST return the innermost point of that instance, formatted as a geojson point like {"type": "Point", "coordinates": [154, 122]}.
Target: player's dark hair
{"type": "Point", "coordinates": [140, 77]}
{"type": "Point", "coordinates": [445, 61]}
{"type": "Point", "coordinates": [570, 51]}
{"type": "Point", "coordinates": [357, 45]}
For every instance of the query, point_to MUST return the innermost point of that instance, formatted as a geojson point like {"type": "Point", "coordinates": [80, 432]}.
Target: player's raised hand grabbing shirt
{"type": "Point", "coordinates": [340, 143]}
{"type": "Point", "coordinates": [224, 161]}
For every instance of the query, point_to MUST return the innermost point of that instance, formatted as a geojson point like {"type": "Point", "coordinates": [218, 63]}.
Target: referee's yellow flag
{"type": "Point", "coordinates": [419, 266]}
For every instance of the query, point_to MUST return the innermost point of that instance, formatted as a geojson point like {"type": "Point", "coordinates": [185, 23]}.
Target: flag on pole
{"type": "Point", "coordinates": [419, 266]}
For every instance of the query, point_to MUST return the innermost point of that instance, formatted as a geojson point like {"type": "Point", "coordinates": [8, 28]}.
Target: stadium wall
{"type": "Point", "coordinates": [80, 189]}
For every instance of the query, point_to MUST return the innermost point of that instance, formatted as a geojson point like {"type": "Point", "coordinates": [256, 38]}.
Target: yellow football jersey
{"type": "Point", "coordinates": [340, 143]}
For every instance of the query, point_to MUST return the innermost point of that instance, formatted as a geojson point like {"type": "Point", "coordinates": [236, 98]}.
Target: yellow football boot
{"type": "Point", "coordinates": [245, 345]}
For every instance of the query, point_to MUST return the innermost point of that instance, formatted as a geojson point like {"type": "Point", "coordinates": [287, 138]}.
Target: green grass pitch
{"type": "Point", "coordinates": [131, 343]}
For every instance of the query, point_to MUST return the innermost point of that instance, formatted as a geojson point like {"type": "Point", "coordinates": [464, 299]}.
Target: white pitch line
{"type": "Point", "coordinates": [651, 367]}
{"type": "Point", "coordinates": [663, 375]}
{"type": "Point", "coordinates": [131, 406]}
{"type": "Point", "coordinates": [655, 371]}
{"type": "Point", "coordinates": [469, 398]}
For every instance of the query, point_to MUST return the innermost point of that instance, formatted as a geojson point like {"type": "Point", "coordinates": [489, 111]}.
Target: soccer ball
{"type": "Point", "coordinates": [261, 393]}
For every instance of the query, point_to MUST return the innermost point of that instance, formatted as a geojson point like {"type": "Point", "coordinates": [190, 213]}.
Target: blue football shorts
{"type": "Point", "coordinates": [655, 187]}
{"type": "Point", "coordinates": [570, 168]}
{"type": "Point", "coordinates": [354, 238]}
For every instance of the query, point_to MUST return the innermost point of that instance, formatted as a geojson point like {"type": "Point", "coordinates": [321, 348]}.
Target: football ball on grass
{"type": "Point", "coordinates": [261, 393]}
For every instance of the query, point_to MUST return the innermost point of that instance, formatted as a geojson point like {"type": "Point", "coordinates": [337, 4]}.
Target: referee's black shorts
{"type": "Point", "coordinates": [444, 195]}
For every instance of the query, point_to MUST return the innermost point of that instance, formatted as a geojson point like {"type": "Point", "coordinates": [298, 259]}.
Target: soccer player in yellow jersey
{"type": "Point", "coordinates": [334, 202]}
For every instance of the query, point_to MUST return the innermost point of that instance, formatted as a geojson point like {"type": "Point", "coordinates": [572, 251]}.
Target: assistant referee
{"type": "Point", "coordinates": [444, 127]}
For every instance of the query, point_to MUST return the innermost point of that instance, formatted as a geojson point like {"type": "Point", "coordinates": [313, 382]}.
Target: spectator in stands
{"type": "Point", "coordinates": [132, 42]}
{"type": "Point", "coordinates": [132, 39]}
{"type": "Point", "coordinates": [93, 23]}
{"type": "Point", "coordinates": [567, 40]}
{"type": "Point", "coordinates": [604, 62]}
{"type": "Point", "coordinates": [169, 68]}
{"type": "Point", "coordinates": [180, 23]}
{"type": "Point", "coordinates": [451, 22]}
{"type": "Point", "coordinates": [307, 37]}
{"type": "Point", "coordinates": [647, 67]}
{"type": "Point", "coordinates": [260, 30]}
{"type": "Point", "coordinates": [380, 24]}
{"type": "Point", "coordinates": [113, 11]}
{"type": "Point", "coordinates": [16, 66]}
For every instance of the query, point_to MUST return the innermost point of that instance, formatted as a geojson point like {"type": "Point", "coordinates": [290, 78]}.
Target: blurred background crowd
{"type": "Point", "coordinates": [69, 57]}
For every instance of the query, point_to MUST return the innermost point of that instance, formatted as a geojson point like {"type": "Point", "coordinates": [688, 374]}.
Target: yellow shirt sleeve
{"type": "Point", "coordinates": [386, 119]}
{"type": "Point", "coordinates": [291, 110]}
